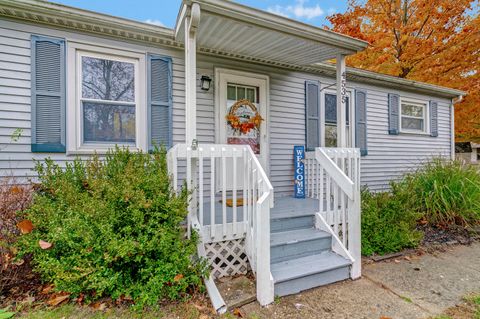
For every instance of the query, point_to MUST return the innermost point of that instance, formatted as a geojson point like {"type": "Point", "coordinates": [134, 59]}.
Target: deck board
{"type": "Point", "coordinates": [283, 207]}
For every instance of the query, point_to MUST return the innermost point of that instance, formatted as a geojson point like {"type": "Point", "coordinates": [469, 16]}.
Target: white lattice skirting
{"type": "Point", "coordinates": [227, 258]}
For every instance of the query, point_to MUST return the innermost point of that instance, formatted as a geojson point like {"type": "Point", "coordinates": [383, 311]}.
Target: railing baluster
{"type": "Point", "coordinates": [245, 185]}
{"type": "Point", "coordinates": [321, 198]}
{"type": "Point", "coordinates": [224, 193]}
{"type": "Point", "coordinates": [329, 207]}
{"type": "Point", "coordinates": [234, 191]}
{"type": "Point", "coordinates": [200, 186]}
{"type": "Point", "coordinates": [189, 187]}
{"type": "Point", "coordinates": [212, 192]}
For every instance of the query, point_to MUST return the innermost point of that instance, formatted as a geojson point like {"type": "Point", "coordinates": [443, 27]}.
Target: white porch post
{"type": "Point", "coordinates": [192, 22]}
{"type": "Point", "coordinates": [191, 25]}
{"type": "Point", "coordinates": [341, 102]}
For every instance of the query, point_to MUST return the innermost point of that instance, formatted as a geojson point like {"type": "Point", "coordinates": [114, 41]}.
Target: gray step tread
{"type": "Point", "coordinates": [301, 267]}
{"type": "Point", "coordinates": [297, 235]}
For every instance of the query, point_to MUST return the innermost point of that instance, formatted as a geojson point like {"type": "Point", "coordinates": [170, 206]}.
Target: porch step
{"type": "Point", "coordinates": [293, 276]}
{"type": "Point", "coordinates": [281, 223]}
{"type": "Point", "coordinates": [298, 243]}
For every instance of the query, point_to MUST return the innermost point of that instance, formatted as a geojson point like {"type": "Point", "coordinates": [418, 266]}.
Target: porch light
{"type": "Point", "coordinates": [205, 82]}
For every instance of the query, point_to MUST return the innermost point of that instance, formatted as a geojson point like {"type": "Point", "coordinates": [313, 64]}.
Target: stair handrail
{"type": "Point", "coordinates": [259, 201]}
{"type": "Point", "coordinates": [342, 180]}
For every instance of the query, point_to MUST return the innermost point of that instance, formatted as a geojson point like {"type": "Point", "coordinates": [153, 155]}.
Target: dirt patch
{"type": "Point", "coordinates": [449, 235]}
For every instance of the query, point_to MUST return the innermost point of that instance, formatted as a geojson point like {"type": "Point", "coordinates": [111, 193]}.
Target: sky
{"type": "Point", "coordinates": [164, 12]}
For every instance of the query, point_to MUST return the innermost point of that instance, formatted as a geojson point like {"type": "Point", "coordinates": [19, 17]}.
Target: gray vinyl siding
{"type": "Point", "coordinates": [389, 156]}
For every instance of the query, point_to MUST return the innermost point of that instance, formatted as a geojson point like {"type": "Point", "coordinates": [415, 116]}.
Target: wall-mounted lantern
{"type": "Point", "coordinates": [205, 82]}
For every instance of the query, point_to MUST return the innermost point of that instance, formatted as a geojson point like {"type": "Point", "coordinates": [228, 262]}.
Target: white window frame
{"type": "Point", "coordinates": [351, 116]}
{"type": "Point", "coordinates": [75, 143]}
{"type": "Point", "coordinates": [425, 118]}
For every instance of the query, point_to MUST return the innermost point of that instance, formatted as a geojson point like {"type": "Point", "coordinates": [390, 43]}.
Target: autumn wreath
{"type": "Point", "coordinates": [244, 123]}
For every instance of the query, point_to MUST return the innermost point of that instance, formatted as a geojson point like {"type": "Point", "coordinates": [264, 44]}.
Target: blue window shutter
{"type": "Point", "coordinates": [361, 121]}
{"type": "Point", "coordinates": [433, 118]}
{"type": "Point", "coordinates": [48, 94]}
{"type": "Point", "coordinates": [159, 101]}
{"type": "Point", "coordinates": [393, 114]}
{"type": "Point", "coordinates": [312, 114]}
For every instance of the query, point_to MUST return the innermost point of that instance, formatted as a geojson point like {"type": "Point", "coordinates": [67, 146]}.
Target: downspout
{"type": "Point", "coordinates": [456, 100]}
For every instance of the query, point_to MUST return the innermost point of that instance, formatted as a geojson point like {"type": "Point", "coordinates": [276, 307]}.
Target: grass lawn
{"type": "Point", "coordinates": [72, 311]}
{"type": "Point", "coordinates": [469, 309]}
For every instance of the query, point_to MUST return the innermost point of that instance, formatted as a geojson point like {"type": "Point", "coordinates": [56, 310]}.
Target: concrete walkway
{"type": "Point", "coordinates": [411, 287]}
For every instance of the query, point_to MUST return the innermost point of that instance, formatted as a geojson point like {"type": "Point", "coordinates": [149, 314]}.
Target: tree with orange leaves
{"type": "Point", "coordinates": [434, 41]}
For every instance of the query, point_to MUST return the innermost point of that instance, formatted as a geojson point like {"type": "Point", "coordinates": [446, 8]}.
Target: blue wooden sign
{"type": "Point", "coordinates": [298, 160]}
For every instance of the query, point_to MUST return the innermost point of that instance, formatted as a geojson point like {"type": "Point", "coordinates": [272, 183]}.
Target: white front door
{"type": "Point", "coordinates": [242, 117]}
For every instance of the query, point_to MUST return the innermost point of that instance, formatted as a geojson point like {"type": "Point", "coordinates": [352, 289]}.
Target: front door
{"type": "Point", "coordinates": [242, 115]}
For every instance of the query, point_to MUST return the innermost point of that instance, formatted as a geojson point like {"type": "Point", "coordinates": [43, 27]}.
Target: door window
{"type": "Point", "coordinates": [243, 116]}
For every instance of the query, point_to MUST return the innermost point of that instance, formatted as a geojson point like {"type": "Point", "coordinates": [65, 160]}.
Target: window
{"type": "Point", "coordinates": [106, 100]}
{"type": "Point", "coordinates": [413, 116]}
{"type": "Point", "coordinates": [331, 120]}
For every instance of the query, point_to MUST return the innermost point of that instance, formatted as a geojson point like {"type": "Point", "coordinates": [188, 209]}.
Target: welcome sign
{"type": "Point", "coordinates": [299, 176]}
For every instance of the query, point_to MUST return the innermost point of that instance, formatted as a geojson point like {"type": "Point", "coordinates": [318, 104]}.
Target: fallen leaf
{"type": "Point", "coordinates": [16, 190]}
{"type": "Point", "coordinates": [100, 306]}
{"type": "Point", "coordinates": [25, 226]}
{"type": "Point", "coordinates": [80, 299]}
{"type": "Point", "coordinates": [397, 261]}
{"type": "Point", "coordinates": [55, 301]}
{"type": "Point", "coordinates": [47, 289]}
{"type": "Point", "coordinates": [44, 245]}
{"type": "Point", "coordinates": [177, 277]}
{"type": "Point", "coordinates": [199, 307]}
{"type": "Point", "coordinates": [385, 318]}
{"type": "Point", "coordinates": [19, 262]}
{"type": "Point", "coordinates": [407, 258]}
{"type": "Point", "coordinates": [237, 312]}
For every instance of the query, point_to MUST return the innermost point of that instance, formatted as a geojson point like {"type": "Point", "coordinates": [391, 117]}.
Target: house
{"type": "Point", "coordinates": [467, 152]}
{"type": "Point", "coordinates": [225, 78]}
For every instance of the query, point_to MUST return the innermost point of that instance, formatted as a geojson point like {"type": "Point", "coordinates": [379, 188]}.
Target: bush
{"type": "Point", "coordinates": [114, 229]}
{"type": "Point", "coordinates": [446, 192]}
{"type": "Point", "coordinates": [387, 226]}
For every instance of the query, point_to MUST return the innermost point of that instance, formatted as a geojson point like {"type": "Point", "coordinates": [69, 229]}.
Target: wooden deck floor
{"type": "Point", "coordinates": [283, 207]}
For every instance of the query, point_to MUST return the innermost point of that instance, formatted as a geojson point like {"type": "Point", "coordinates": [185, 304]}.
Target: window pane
{"type": "Point", "coordinates": [108, 80]}
{"type": "Point", "coordinates": [331, 108]}
{"type": "Point", "coordinates": [412, 124]}
{"type": "Point", "coordinates": [330, 135]}
{"type": "Point", "coordinates": [231, 93]}
{"type": "Point", "coordinates": [412, 110]}
{"type": "Point", "coordinates": [251, 95]}
{"type": "Point", "coordinates": [108, 123]}
{"type": "Point", "coordinates": [240, 93]}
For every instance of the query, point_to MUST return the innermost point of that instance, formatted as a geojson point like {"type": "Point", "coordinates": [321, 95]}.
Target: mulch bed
{"type": "Point", "coordinates": [435, 239]}
{"type": "Point", "coordinates": [19, 284]}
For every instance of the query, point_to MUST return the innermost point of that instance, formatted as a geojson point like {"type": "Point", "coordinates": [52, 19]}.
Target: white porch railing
{"type": "Point", "coordinates": [332, 175]}
{"type": "Point", "coordinates": [213, 173]}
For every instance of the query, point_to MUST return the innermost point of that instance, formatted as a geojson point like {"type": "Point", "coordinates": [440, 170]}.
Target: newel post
{"type": "Point", "coordinates": [265, 287]}
{"type": "Point", "coordinates": [354, 224]}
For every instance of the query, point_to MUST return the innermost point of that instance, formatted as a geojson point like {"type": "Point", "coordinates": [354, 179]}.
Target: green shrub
{"type": "Point", "coordinates": [387, 226]}
{"type": "Point", "coordinates": [446, 192]}
{"type": "Point", "coordinates": [114, 226]}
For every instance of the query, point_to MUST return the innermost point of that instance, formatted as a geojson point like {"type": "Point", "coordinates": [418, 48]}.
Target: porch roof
{"type": "Point", "coordinates": [233, 30]}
